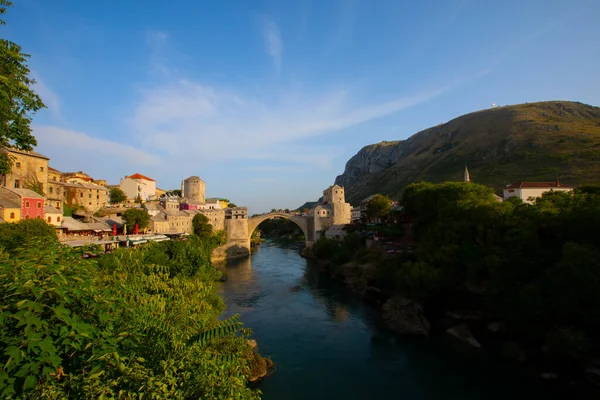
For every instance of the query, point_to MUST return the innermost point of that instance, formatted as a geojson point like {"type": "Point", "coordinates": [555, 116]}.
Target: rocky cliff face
{"type": "Point", "coordinates": [537, 141]}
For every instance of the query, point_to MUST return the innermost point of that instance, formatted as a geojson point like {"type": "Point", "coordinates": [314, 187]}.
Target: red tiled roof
{"type": "Point", "coordinates": [140, 176]}
{"type": "Point", "coordinates": [523, 185]}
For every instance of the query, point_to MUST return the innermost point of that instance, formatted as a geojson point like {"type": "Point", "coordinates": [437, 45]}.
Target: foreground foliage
{"type": "Point", "coordinates": [136, 323]}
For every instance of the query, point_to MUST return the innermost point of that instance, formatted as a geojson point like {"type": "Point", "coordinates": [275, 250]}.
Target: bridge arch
{"type": "Point", "coordinates": [299, 220]}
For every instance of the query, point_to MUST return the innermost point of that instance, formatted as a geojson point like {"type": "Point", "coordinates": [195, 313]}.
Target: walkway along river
{"type": "Point", "coordinates": [327, 344]}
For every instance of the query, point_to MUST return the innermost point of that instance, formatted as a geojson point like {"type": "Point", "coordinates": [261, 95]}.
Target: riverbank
{"type": "Point", "coordinates": [470, 332]}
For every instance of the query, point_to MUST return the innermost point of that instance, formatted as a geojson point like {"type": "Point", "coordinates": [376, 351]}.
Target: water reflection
{"type": "Point", "coordinates": [327, 344]}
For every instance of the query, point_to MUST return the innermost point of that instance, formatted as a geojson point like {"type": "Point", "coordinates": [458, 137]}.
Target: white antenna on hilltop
{"type": "Point", "coordinates": [494, 105]}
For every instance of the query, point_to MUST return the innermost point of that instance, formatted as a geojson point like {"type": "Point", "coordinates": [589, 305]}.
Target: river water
{"type": "Point", "coordinates": [327, 344]}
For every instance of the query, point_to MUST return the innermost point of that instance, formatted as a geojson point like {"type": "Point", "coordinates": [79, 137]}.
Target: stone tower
{"type": "Point", "coordinates": [334, 197]}
{"type": "Point", "coordinates": [194, 189]}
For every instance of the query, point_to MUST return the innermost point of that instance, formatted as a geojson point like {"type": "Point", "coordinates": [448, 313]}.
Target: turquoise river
{"type": "Point", "coordinates": [328, 344]}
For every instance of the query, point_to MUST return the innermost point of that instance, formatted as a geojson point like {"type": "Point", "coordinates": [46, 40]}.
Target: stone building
{"type": "Point", "coordinates": [171, 221]}
{"type": "Point", "coordinates": [55, 195]}
{"type": "Point", "coordinates": [170, 202]}
{"type": "Point", "coordinates": [529, 191]}
{"type": "Point", "coordinates": [153, 208]}
{"type": "Point", "coordinates": [334, 197]}
{"type": "Point", "coordinates": [138, 186]}
{"type": "Point", "coordinates": [236, 213]}
{"type": "Point", "coordinates": [31, 203]}
{"type": "Point", "coordinates": [10, 211]}
{"type": "Point", "coordinates": [194, 189]}
{"type": "Point", "coordinates": [216, 217]}
{"type": "Point", "coordinates": [88, 195]}
{"type": "Point", "coordinates": [29, 169]}
{"type": "Point", "coordinates": [53, 215]}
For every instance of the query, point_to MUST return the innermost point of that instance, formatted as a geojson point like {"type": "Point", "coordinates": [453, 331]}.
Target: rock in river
{"type": "Point", "coordinates": [462, 333]}
{"type": "Point", "coordinates": [405, 316]}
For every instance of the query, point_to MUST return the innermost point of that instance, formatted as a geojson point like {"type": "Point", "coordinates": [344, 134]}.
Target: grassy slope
{"type": "Point", "coordinates": [527, 142]}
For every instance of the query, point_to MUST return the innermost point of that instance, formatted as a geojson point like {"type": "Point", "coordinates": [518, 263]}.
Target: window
{"type": "Point", "coordinates": [89, 196]}
{"type": "Point", "coordinates": [97, 196]}
{"type": "Point", "coordinates": [17, 184]}
{"type": "Point", "coordinates": [57, 219]}
{"type": "Point", "coordinates": [511, 190]}
{"type": "Point", "coordinates": [39, 204]}
{"type": "Point", "coordinates": [90, 203]}
{"type": "Point", "coordinates": [49, 219]}
{"type": "Point", "coordinates": [39, 217]}
{"type": "Point", "coordinates": [57, 191]}
{"type": "Point", "coordinates": [26, 204]}
{"type": "Point", "coordinates": [41, 169]}
{"type": "Point", "coordinates": [81, 194]}
{"type": "Point", "coordinates": [27, 217]}
{"type": "Point", "coordinates": [58, 205]}
{"type": "Point", "coordinates": [51, 190]}
{"type": "Point", "coordinates": [12, 215]}
{"type": "Point", "coordinates": [18, 164]}
{"type": "Point", "coordinates": [54, 178]}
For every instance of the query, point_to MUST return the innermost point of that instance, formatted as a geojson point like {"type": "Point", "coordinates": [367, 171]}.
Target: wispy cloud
{"type": "Point", "coordinates": [49, 97]}
{"type": "Point", "coordinates": [274, 168]}
{"type": "Point", "coordinates": [50, 137]}
{"type": "Point", "coordinates": [264, 180]}
{"type": "Point", "coordinates": [158, 43]}
{"type": "Point", "coordinates": [188, 119]}
{"type": "Point", "coordinates": [273, 42]}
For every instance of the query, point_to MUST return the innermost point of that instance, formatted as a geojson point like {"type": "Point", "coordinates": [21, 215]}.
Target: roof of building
{"type": "Point", "coordinates": [528, 185]}
{"type": "Point", "coordinates": [152, 206]}
{"type": "Point", "coordinates": [192, 178]}
{"type": "Point", "coordinates": [72, 224]}
{"type": "Point", "coordinates": [368, 198]}
{"type": "Point", "coordinates": [498, 197]}
{"type": "Point", "coordinates": [50, 169]}
{"type": "Point", "coordinates": [80, 185]}
{"type": "Point", "coordinates": [26, 193]}
{"type": "Point", "coordinates": [25, 152]}
{"type": "Point", "coordinates": [213, 200]}
{"type": "Point", "coordinates": [140, 176]}
{"type": "Point", "coordinates": [160, 217]}
{"type": "Point", "coordinates": [8, 204]}
{"type": "Point", "coordinates": [52, 210]}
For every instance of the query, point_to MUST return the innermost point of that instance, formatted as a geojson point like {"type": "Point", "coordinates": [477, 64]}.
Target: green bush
{"type": "Point", "coordinates": [138, 322]}
{"type": "Point", "coordinates": [13, 236]}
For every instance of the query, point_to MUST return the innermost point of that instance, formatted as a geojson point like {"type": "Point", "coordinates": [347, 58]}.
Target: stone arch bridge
{"type": "Point", "coordinates": [239, 232]}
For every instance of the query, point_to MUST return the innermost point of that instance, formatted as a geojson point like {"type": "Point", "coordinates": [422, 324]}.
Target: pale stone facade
{"type": "Point", "coordinates": [53, 215]}
{"type": "Point", "coordinates": [216, 218]}
{"type": "Point", "coordinates": [529, 191]}
{"type": "Point", "coordinates": [138, 186]}
{"type": "Point", "coordinates": [335, 198]}
{"type": "Point", "coordinates": [29, 168]}
{"type": "Point", "coordinates": [88, 195]}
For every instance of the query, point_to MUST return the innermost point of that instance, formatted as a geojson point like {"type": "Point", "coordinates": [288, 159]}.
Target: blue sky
{"type": "Point", "coordinates": [267, 100]}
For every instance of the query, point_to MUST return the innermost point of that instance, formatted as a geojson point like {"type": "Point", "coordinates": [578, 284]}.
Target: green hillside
{"type": "Point", "coordinates": [528, 142]}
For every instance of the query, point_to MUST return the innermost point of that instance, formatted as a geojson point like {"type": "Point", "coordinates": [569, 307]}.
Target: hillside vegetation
{"type": "Point", "coordinates": [528, 142]}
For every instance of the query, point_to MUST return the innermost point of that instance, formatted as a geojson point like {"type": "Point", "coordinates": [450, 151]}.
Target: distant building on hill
{"type": "Point", "coordinates": [529, 191]}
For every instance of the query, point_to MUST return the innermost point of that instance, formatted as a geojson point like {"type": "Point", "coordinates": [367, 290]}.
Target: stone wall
{"type": "Point", "coordinates": [28, 168]}
{"type": "Point", "coordinates": [194, 189]}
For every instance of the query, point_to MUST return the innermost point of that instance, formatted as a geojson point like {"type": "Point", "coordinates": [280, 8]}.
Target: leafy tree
{"type": "Point", "coordinates": [18, 102]}
{"type": "Point", "coordinates": [202, 227]}
{"type": "Point", "coordinates": [117, 195]}
{"type": "Point", "coordinates": [287, 211]}
{"type": "Point", "coordinates": [379, 206]}
{"type": "Point", "coordinates": [134, 216]}
{"type": "Point", "coordinates": [176, 192]}
{"type": "Point", "coordinates": [231, 205]}
{"type": "Point", "coordinates": [12, 236]}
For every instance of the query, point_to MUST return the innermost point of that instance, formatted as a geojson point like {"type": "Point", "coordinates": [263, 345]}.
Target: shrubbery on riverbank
{"type": "Point", "coordinates": [136, 322]}
{"type": "Point", "coordinates": [532, 267]}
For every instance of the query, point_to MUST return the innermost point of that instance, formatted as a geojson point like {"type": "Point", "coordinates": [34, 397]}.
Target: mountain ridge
{"type": "Point", "coordinates": [541, 141]}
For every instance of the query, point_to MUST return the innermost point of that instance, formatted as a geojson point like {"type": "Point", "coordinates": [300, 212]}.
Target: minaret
{"type": "Point", "coordinates": [467, 176]}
